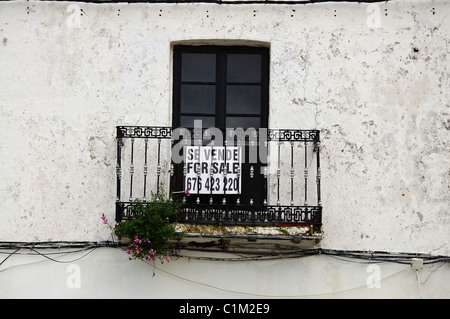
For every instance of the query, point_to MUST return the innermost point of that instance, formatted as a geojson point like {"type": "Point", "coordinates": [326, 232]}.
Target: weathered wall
{"type": "Point", "coordinates": [378, 93]}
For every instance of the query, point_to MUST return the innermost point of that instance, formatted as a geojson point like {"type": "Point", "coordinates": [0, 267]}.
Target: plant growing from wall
{"type": "Point", "coordinates": [148, 229]}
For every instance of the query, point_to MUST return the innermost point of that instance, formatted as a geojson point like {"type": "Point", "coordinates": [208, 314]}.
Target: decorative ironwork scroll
{"type": "Point", "coordinates": [297, 172]}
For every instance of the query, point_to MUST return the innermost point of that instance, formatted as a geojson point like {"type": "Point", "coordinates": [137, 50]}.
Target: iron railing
{"type": "Point", "coordinates": [290, 179]}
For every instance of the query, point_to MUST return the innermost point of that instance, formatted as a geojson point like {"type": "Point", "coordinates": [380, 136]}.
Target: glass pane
{"type": "Point", "coordinates": [197, 98]}
{"type": "Point", "coordinates": [188, 121]}
{"type": "Point", "coordinates": [244, 68]}
{"type": "Point", "coordinates": [199, 67]}
{"type": "Point", "coordinates": [243, 99]}
{"type": "Point", "coordinates": [243, 122]}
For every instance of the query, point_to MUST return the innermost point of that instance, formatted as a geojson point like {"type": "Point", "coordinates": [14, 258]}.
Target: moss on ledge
{"type": "Point", "coordinates": [306, 230]}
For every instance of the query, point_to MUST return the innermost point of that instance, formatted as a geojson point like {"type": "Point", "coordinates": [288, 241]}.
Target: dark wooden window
{"type": "Point", "coordinates": [225, 87]}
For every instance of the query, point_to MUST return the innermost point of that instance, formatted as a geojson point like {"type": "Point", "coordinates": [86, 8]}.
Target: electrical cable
{"type": "Point", "coordinates": [360, 256]}
{"type": "Point", "coordinates": [66, 262]}
{"type": "Point", "coordinates": [9, 255]}
{"type": "Point", "coordinates": [57, 244]}
{"type": "Point", "coordinates": [30, 252]}
{"type": "Point", "coordinates": [33, 246]}
{"type": "Point", "coordinates": [270, 296]}
{"type": "Point", "coordinates": [432, 271]}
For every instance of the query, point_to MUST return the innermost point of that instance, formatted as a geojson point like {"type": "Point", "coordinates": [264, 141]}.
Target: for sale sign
{"type": "Point", "coordinates": [213, 169]}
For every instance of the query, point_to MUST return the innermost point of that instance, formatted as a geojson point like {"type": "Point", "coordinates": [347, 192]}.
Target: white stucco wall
{"type": "Point", "coordinates": [107, 273]}
{"type": "Point", "coordinates": [378, 94]}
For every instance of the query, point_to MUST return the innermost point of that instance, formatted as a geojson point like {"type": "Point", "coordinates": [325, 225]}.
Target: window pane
{"type": "Point", "coordinates": [244, 68]}
{"type": "Point", "coordinates": [199, 67]}
{"type": "Point", "coordinates": [188, 121]}
{"type": "Point", "coordinates": [243, 122]}
{"type": "Point", "coordinates": [243, 99]}
{"type": "Point", "coordinates": [198, 98]}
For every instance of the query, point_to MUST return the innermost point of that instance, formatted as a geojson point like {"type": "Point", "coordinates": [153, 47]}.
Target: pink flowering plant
{"type": "Point", "coordinates": [139, 249]}
{"type": "Point", "coordinates": [149, 228]}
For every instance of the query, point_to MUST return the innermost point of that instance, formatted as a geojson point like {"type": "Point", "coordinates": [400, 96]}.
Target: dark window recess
{"type": "Point", "coordinates": [225, 87]}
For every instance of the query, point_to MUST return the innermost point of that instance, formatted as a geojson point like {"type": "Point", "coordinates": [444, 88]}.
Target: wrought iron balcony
{"type": "Point", "coordinates": [277, 189]}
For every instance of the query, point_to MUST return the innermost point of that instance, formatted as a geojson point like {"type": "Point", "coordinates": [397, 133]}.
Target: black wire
{"type": "Point", "coordinates": [362, 256]}
{"type": "Point", "coordinates": [9, 256]}
{"type": "Point", "coordinates": [66, 262]}
{"type": "Point", "coordinates": [400, 258]}
{"type": "Point", "coordinates": [57, 245]}
{"type": "Point", "coordinates": [367, 257]}
{"type": "Point", "coordinates": [50, 253]}
{"type": "Point", "coordinates": [32, 246]}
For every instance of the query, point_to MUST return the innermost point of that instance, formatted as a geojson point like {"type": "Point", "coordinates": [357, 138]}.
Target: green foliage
{"type": "Point", "coordinates": [149, 229]}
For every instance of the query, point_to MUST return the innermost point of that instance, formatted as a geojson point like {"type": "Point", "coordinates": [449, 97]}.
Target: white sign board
{"type": "Point", "coordinates": [212, 162]}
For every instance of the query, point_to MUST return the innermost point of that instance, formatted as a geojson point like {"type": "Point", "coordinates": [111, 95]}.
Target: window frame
{"type": "Point", "coordinates": [256, 194]}
{"type": "Point", "coordinates": [221, 82]}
